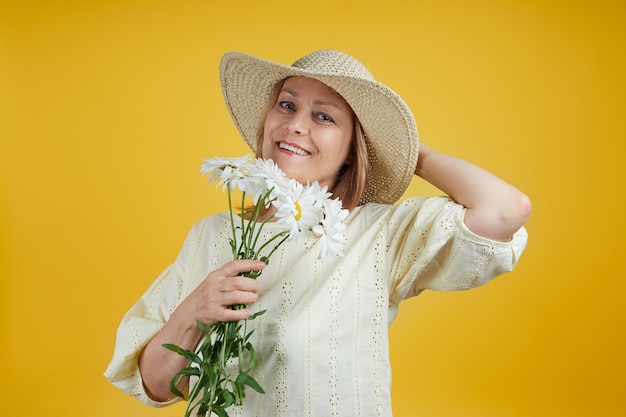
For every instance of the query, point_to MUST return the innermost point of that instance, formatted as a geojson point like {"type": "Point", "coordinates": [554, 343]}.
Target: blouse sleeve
{"type": "Point", "coordinates": [433, 249]}
{"type": "Point", "coordinates": [146, 318]}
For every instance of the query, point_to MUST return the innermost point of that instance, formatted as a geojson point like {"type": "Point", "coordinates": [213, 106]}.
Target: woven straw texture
{"type": "Point", "coordinates": [392, 141]}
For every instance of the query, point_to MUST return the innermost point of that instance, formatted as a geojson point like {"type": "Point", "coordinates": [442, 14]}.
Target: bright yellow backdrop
{"type": "Point", "coordinates": [107, 107]}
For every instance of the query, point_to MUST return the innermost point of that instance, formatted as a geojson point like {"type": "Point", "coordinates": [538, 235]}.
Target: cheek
{"type": "Point", "coordinates": [343, 141]}
{"type": "Point", "coordinates": [344, 147]}
{"type": "Point", "coordinates": [273, 121]}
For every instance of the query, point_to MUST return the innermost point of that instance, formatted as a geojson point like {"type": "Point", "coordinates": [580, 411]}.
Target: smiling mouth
{"type": "Point", "coordinates": [293, 149]}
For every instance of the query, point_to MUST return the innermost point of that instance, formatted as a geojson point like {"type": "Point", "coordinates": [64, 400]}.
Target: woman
{"type": "Point", "coordinates": [322, 345]}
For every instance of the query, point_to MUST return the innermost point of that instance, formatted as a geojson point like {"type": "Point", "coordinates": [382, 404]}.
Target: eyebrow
{"type": "Point", "coordinates": [317, 102]}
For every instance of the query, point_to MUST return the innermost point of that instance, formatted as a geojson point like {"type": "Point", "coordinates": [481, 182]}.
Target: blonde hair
{"type": "Point", "coordinates": [350, 183]}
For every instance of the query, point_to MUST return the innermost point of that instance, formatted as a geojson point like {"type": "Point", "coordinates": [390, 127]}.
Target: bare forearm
{"type": "Point", "coordinates": [495, 209]}
{"type": "Point", "coordinates": [158, 365]}
{"type": "Point", "coordinates": [209, 303]}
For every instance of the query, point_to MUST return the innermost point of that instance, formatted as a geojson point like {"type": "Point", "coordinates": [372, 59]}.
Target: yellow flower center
{"type": "Point", "coordinates": [299, 210]}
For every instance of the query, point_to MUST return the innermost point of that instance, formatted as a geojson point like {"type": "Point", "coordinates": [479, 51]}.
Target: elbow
{"type": "Point", "coordinates": [515, 215]}
{"type": "Point", "coordinates": [500, 221]}
{"type": "Point", "coordinates": [522, 209]}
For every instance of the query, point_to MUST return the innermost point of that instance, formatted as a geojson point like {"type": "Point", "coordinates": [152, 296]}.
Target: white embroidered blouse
{"type": "Point", "coordinates": [322, 346]}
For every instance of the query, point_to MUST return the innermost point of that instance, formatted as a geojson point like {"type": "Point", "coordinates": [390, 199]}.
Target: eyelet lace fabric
{"type": "Point", "coordinates": [322, 346]}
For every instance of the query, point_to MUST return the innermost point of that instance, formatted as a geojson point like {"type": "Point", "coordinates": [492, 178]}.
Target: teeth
{"type": "Point", "coordinates": [293, 149]}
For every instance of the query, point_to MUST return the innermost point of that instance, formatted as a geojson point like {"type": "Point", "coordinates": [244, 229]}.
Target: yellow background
{"type": "Point", "coordinates": [107, 107]}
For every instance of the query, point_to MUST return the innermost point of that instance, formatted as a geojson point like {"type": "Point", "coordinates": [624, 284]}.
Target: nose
{"type": "Point", "coordinates": [298, 123]}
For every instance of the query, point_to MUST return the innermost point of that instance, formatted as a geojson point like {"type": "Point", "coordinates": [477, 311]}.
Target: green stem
{"type": "Point", "coordinates": [243, 225]}
{"type": "Point", "coordinates": [232, 224]}
{"type": "Point", "coordinates": [252, 223]}
{"type": "Point", "coordinates": [254, 241]}
{"type": "Point", "coordinates": [284, 234]}
{"type": "Point", "coordinates": [212, 392]}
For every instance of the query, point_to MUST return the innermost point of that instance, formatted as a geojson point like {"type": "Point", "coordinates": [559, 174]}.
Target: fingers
{"type": "Point", "coordinates": [234, 315]}
{"type": "Point", "coordinates": [238, 289]}
{"type": "Point", "coordinates": [246, 293]}
{"type": "Point", "coordinates": [211, 301]}
{"type": "Point", "coordinates": [234, 268]}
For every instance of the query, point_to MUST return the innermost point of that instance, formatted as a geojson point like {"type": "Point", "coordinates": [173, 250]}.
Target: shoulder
{"type": "Point", "coordinates": [208, 226]}
{"type": "Point", "coordinates": [407, 207]}
{"type": "Point", "coordinates": [417, 213]}
{"type": "Point", "coordinates": [212, 220]}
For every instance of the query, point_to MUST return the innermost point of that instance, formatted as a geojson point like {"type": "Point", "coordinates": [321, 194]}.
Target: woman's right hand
{"type": "Point", "coordinates": [209, 303]}
{"type": "Point", "coordinates": [222, 288]}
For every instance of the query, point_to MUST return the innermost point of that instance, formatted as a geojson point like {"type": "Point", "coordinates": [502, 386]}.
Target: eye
{"type": "Point", "coordinates": [286, 105]}
{"type": "Point", "coordinates": [324, 117]}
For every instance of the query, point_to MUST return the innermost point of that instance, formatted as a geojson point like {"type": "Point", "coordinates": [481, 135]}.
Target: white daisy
{"type": "Point", "coordinates": [331, 229]}
{"type": "Point", "coordinates": [302, 209]}
{"type": "Point", "coordinates": [229, 171]}
{"type": "Point", "coordinates": [266, 176]}
{"type": "Point", "coordinates": [299, 207]}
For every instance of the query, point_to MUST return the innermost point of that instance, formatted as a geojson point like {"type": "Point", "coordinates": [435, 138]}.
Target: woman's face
{"type": "Point", "coordinates": [308, 132]}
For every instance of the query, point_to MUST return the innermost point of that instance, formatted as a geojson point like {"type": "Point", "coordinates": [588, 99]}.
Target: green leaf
{"type": "Point", "coordinates": [257, 314]}
{"type": "Point", "coordinates": [231, 331]}
{"type": "Point", "coordinates": [220, 412]}
{"type": "Point", "coordinates": [244, 378]}
{"type": "Point", "coordinates": [203, 327]}
{"type": "Point", "coordinates": [174, 388]}
{"type": "Point", "coordinates": [247, 337]}
{"type": "Point", "coordinates": [183, 352]}
{"type": "Point", "coordinates": [239, 392]}
{"type": "Point", "coordinates": [202, 409]}
{"type": "Point", "coordinates": [228, 399]}
{"type": "Point", "coordinates": [251, 354]}
{"type": "Point", "coordinates": [189, 371]}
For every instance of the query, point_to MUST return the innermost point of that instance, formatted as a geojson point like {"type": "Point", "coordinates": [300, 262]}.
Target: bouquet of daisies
{"type": "Point", "coordinates": [303, 210]}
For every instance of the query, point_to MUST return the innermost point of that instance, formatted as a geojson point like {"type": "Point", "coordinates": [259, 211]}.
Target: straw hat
{"type": "Point", "coordinates": [392, 143]}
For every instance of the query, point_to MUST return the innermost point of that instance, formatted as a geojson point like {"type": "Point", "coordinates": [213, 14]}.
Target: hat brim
{"type": "Point", "coordinates": [392, 141]}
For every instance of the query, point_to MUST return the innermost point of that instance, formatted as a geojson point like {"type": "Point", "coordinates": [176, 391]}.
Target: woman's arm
{"type": "Point", "coordinates": [209, 303]}
{"type": "Point", "coordinates": [495, 209]}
